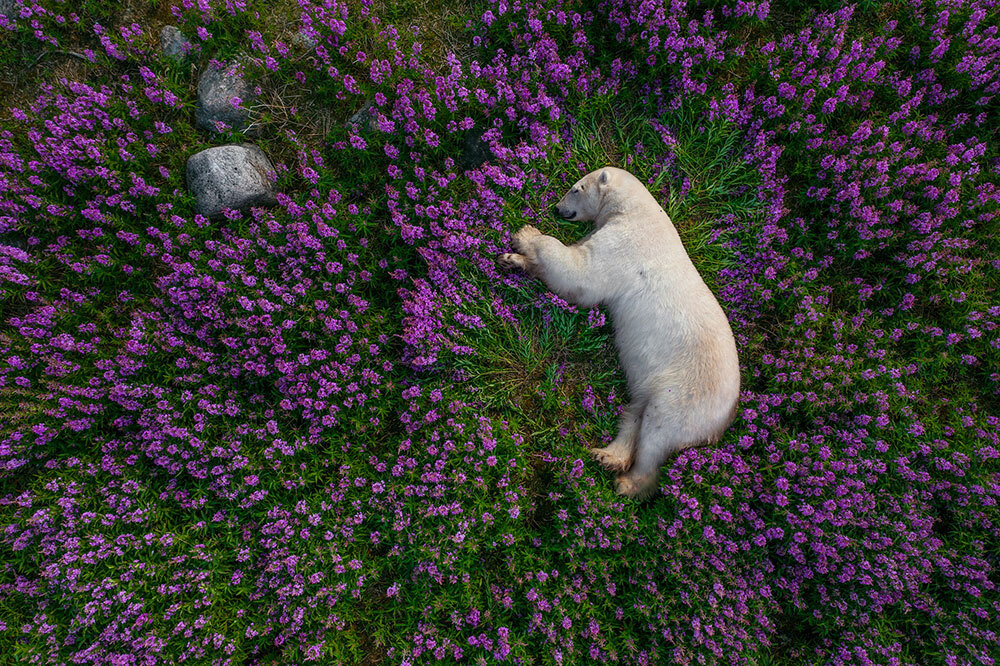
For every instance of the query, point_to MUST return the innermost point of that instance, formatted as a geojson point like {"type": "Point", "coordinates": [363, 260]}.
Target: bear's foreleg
{"type": "Point", "coordinates": [567, 271]}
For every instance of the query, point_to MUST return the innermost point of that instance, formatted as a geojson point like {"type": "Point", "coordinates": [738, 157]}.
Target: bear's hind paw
{"type": "Point", "coordinates": [611, 459]}
{"type": "Point", "coordinates": [635, 487]}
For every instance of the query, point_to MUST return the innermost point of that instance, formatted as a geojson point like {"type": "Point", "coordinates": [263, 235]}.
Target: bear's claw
{"type": "Point", "coordinates": [511, 260]}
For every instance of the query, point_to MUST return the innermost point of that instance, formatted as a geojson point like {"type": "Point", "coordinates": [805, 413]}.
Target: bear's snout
{"type": "Point", "coordinates": [564, 213]}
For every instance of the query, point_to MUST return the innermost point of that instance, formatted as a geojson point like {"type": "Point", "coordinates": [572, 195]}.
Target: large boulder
{"type": "Point", "coordinates": [236, 176]}
{"type": "Point", "coordinates": [217, 89]}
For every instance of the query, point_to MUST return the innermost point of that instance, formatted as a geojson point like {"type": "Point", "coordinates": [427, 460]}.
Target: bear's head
{"type": "Point", "coordinates": [584, 200]}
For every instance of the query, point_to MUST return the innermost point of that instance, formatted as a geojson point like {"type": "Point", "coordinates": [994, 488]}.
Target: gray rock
{"type": "Point", "coordinates": [303, 41]}
{"type": "Point", "coordinates": [364, 120]}
{"type": "Point", "coordinates": [475, 151]}
{"type": "Point", "coordinates": [14, 238]}
{"type": "Point", "coordinates": [12, 233]}
{"type": "Point", "coordinates": [9, 9]}
{"type": "Point", "coordinates": [216, 89]}
{"type": "Point", "coordinates": [234, 176]}
{"type": "Point", "coordinates": [173, 43]}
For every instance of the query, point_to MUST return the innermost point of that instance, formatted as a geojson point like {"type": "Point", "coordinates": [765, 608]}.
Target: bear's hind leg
{"type": "Point", "coordinates": [660, 435]}
{"type": "Point", "coordinates": [618, 454]}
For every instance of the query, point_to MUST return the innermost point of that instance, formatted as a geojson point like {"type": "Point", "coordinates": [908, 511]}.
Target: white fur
{"type": "Point", "coordinates": [674, 341]}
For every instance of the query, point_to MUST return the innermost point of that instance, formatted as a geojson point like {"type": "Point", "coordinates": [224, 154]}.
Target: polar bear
{"type": "Point", "coordinates": [673, 339]}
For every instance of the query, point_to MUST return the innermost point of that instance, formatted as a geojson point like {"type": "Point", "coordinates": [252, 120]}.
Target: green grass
{"type": "Point", "coordinates": [705, 155]}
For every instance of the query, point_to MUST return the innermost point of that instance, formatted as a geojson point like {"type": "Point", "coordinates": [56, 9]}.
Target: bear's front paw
{"type": "Point", "coordinates": [522, 239]}
{"type": "Point", "coordinates": [512, 260]}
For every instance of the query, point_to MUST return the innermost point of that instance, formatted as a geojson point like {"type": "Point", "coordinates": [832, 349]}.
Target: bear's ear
{"type": "Point", "coordinates": [603, 180]}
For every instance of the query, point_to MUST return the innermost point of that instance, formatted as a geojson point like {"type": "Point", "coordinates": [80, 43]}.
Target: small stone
{"type": "Point", "coordinates": [236, 176]}
{"type": "Point", "coordinates": [304, 41]}
{"type": "Point", "coordinates": [216, 90]}
{"type": "Point", "coordinates": [173, 43]}
{"type": "Point", "coordinates": [8, 8]}
{"type": "Point", "coordinates": [364, 120]}
{"type": "Point", "coordinates": [14, 238]}
{"type": "Point", "coordinates": [475, 151]}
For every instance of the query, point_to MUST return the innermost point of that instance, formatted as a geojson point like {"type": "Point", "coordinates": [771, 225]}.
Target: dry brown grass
{"type": "Point", "coordinates": [37, 63]}
{"type": "Point", "coordinates": [284, 106]}
{"type": "Point", "coordinates": [439, 26]}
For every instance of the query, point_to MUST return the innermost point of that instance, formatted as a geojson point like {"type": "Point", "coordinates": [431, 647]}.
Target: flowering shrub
{"type": "Point", "coordinates": [333, 431]}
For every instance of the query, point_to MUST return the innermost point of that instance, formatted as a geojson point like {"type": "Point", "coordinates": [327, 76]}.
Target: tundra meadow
{"type": "Point", "coordinates": [333, 430]}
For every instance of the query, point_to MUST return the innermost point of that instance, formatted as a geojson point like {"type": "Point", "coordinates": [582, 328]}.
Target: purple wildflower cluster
{"type": "Point", "coordinates": [257, 438]}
